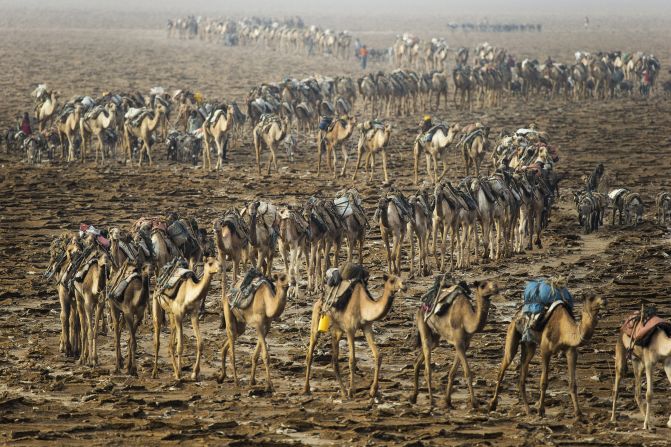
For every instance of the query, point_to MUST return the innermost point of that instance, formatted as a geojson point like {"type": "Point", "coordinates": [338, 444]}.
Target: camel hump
{"type": "Point", "coordinates": [243, 295]}
{"type": "Point", "coordinates": [642, 331]}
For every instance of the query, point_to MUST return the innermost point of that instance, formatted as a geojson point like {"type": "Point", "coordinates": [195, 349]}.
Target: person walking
{"type": "Point", "coordinates": [363, 56]}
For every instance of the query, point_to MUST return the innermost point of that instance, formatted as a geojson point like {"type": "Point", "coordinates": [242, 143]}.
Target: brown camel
{"type": "Point", "coordinates": [269, 132]}
{"type": "Point", "coordinates": [348, 205]}
{"type": "Point", "coordinates": [95, 123]}
{"type": "Point", "coordinates": [67, 126]}
{"type": "Point", "coordinates": [372, 141]}
{"type": "Point", "coordinates": [128, 296]}
{"type": "Point", "coordinates": [45, 111]}
{"type": "Point", "coordinates": [394, 212]}
{"type": "Point", "coordinates": [474, 150]}
{"type": "Point", "coordinates": [293, 235]}
{"type": "Point", "coordinates": [266, 305]}
{"type": "Point", "coordinates": [216, 127]}
{"type": "Point", "coordinates": [263, 227]}
{"type": "Point", "coordinates": [332, 138]}
{"type": "Point", "coordinates": [420, 225]}
{"type": "Point", "coordinates": [434, 149]}
{"type": "Point", "coordinates": [360, 312]}
{"type": "Point", "coordinates": [657, 350]}
{"type": "Point", "coordinates": [186, 298]}
{"type": "Point", "coordinates": [560, 333]}
{"type": "Point", "coordinates": [89, 294]}
{"type": "Point", "coordinates": [231, 236]}
{"type": "Point", "coordinates": [457, 324]}
{"type": "Point", "coordinates": [143, 128]}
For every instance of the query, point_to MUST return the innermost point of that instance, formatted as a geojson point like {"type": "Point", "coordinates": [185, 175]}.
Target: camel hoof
{"type": "Point", "coordinates": [220, 378]}
{"type": "Point", "coordinates": [307, 391]}
{"type": "Point", "coordinates": [413, 399]}
{"type": "Point", "coordinates": [195, 377]}
{"type": "Point", "coordinates": [492, 405]}
{"type": "Point", "coordinates": [252, 382]}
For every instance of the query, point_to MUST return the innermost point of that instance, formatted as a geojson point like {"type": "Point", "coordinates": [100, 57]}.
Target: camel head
{"type": "Point", "coordinates": [281, 281]}
{"type": "Point", "coordinates": [211, 265]}
{"type": "Point", "coordinates": [111, 107]}
{"type": "Point", "coordinates": [594, 303]}
{"type": "Point", "coordinates": [394, 283]}
{"type": "Point", "coordinates": [487, 289]}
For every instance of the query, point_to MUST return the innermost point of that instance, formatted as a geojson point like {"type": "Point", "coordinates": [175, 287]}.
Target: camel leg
{"type": "Point", "coordinates": [231, 334]}
{"type": "Point", "coordinates": [468, 375]}
{"type": "Point", "coordinates": [319, 154]}
{"type": "Point", "coordinates": [266, 359]}
{"type": "Point", "coordinates": [571, 360]}
{"type": "Point", "coordinates": [512, 343]}
{"type": "Point", "coordinates": [431, 175]}
{"type": "Point", "coordinates": [649, 364]}
{"type": "Point", "coordinates": [255, 359]}
{"type": "Point", "coordinates": [528, 351]}
{"type": "Point", "coordinates": [411, 241]}
{"type": "Point", "coordinates": [131, 367]}
{"type": "Point", "coordinates": [195, 324]}
{"type": "Point", "coordinates": [638, 372]}
{"type": "Point", "coordinates": [314, 336]}
{"type": "Point", "coordinates": [335, 349]}
{"type": "Point", "coordinates": [179, 336]}
{"type": "Point", "coordinates": [450, 383]}
{"type": "Point", "coordinates": [443, 158]}
{"type": "Point", "coordinates": [116, 326]}
{"type": "Point", "coordinates": [384, 165]}
{"type": "Point", "coordinates": [377, 357]}
{"type": "Point", "coordinates": [358, 162]}
{"type": "Point", "coordinates": [434, 167]}
{"type": "Point", "coordinates": [667, 370]}
{"type": "Point", "coordinates": [545, 367]}
{"type": "Point", "coordinates": [345, 159]}
{"type": "Point", "coordinates": [385, 236]}
{"type": "Point", "coordinates": [620, 367]}
{"type": "Point", "coordinates": [419, 360]}
{"type": "Point", "coordinates": [65, 342]}
{"type": "Point", "coordinates": [93, 331]}
{"type": "Point", "coordinates": [157, 332]}
{"type": "Point", "coordinates": [352, 363]}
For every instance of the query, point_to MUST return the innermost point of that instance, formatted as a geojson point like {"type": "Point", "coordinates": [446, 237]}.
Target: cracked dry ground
{"type": "Point", "coordinates": [46, 397]}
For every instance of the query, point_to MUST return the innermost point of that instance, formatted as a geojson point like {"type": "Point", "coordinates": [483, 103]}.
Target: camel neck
{"type": "Point", "coordinates": [374, 310]}
{"type": "Point", "coordinates": [277, 303]}
{"type": "Point", "coordinates": [478, 318]}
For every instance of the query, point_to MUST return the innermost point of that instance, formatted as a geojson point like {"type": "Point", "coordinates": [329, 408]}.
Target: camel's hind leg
{"type": "Point", "coordinates": [195, 324]}
{"type": "Point", "coordinates": [314, 337]}
{"type": "Point", "coordinates": [638, 372]}
{"type": "Point", "coordinates": [648, 364]}
{"type": "Point", "coordinates": [571, 360]}
{"type": "Point", "coordinates": [528, 351]}
{"type": "Point", "coordinates": [667, 370]}
{"type": "Point", "coordinates": [156, 309]}
{"type": "Point", "coordinates": [352, 363]}
{"type": "Point", "coordinates": [255, 360]}
{"type": "Point", "coordinates": [266, 358]}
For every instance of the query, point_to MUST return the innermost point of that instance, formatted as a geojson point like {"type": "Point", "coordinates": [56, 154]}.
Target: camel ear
{"type": "Point", "coordinates": [275, 277]}
{"type": "Point", "coordinates": [476, 284]}
{"type": "Point", "coordinates": [385, 277]}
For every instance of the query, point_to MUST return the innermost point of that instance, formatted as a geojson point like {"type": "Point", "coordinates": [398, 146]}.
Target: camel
{"type": "Point", "coordinates": [89, 293]}
{"type": "Point", "coordinates": [231, 237]}
{"type": "Point", "coordinates": [474, 149]}
{"type": "Point", "coordinates": [359, 313]}
{"type": "Point", "coordinates": [373, 141]}
{"type": "Point", "coordinates": [644, 358]}
{"type": "Point", "coordinates": [263, 229]}
{"type": "Point", "coordinates": [394, 212]}
{"type": "Point", "coordinates": [439, 87]}
{"type": "Point", "coordinates": [463, 86]}
{"type": "Point", "coordinates": [434, 148]}
{"type": "Point", "coordinates": [456, 325]}
{"type": "Point", "coordinates": [560, 333]}
{"type": "Point", "coordinates": [266, 305]}
{"type": "Point", "coordinates": [216, 127]}
{"type": "Point", "coordinates": [293, 235]}
{"type": "Point", "coordinates": [663, 202]}
{"type": "Point", "coordinates": [421, 223]}
{"type": "Point", "coordinates": [186, 298]}
{"type": "Point", "coordinates": [531, 212]}
{"type": "Point", "coordinates": [269, 132]}
{"type": "Point", "coordinates": [325, 231]}
{"type": "Point", "coordinates": [335, 136]}
{"type": "Point", "coordinates": [96, 123]}
{"type": "Point", "coordinates": [143, 128]}
{"type": "Point", "coordinates": [67, 125]}
{"type": "Point", "coordinates": [128, 297]}
{"type": "Point", "coordinates": [63, 249]}
{"type": "Point", "coordinates": [45, 111]}
{"type": "Point", "coordinates": [348, 205]}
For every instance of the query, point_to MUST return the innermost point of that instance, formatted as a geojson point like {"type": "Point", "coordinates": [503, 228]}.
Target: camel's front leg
{"type": "Point", "coordinates": [255, 359]}
{"type": "Point", "coordinates": [377, 357]}
{"type": "Point", "coordinates": [620, 367]}
{"type": "Point", "coordinates": [545, 371]}
{"type": "Point", "coordinates": [314, 336]}
{"type": "Point", "coordinates": [667, 370]}
{"type": "Point", "coordinates": [179, 335]}
{"type": "Point", "coordinates": [647, 423]}
{"type": "Point", "coordinates": [384, 165]}
{"type": "Point", "coordinates": [528, 351]}
{"type": "Point", "coordinates": [352, 363]}
{"type": "Point", "coordinates": [266, 359]}
{"type": "Point", "coordinates": [358, 163]}
{"type": "Point", "coordinates": [157, 332]}
{"type": "Point", "coordinates": [345, 158]}
{"type": "Point", "coordinates": [195, 324]}
{"type": "Point", "coordinates": [335, 350]}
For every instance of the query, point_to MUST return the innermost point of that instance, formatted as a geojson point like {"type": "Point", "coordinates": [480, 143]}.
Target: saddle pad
{"type": "Point", "coordinates": [642, 333]}
{"type": "Point", "coordinates": [120, 288]}
{"type": "Point", "coordinates": [614, 194]}
{"type": "Point", "coordinates": [180, 274]}
{"type": "Point", "coordinates": [343, 206]}
{"type": "Point", "coordinates": [241, 298]}
{"type": "Point", "coordinates": [133, 112]}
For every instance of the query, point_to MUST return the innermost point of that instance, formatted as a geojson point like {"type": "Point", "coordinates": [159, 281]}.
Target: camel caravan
{"type": "Point", "coordinates": [167, 265]}
{"type": "Point", "coordinates": [290, 35]}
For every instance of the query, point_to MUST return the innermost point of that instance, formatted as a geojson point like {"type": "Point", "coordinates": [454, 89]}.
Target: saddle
{"type": "Point", "coordinates": [486, 188]}
{"type": "Point", "coordinates": [642, 330]}
{"type": "Point", "coordinates": [467, 139]}
{"type": "Point", "coordinates": [267, 120]}
{"type": "Point", "coordinates": [134, 115]}
{"type": "Point", "coordinates": [440, 296]}
{"type": "Point", "coordinates": [173, 274]}
{"type": "Point", "coordinates": [236, 223]}
{"type": "Point", "coordinates": [93, 113]}
{"type": "Point", "coordinates": [348, 203]}
{"type": "Point", "coordinates": [242, 296]}
{"type": "Point", "coordinates": [404, 208]}
{"type": "Point", "coordinates": [540, 300]}
{"type": "Point", "coordinates": [183, 235]}
{"type": "Point", "coordinates": [326, 122]}
{"type": "Point", "coordinates": [120, 283]}
{"type": "Point", "coordinates": [340, 284]}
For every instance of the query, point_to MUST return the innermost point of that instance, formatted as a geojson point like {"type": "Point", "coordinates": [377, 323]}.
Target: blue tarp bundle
{"type": "Point", "coordinates": [325, 122]}
{"type": "Point", "coordinates": [538, 293]}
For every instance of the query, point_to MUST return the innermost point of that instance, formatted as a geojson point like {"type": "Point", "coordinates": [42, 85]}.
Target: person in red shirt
{"type": "Point", "coordinates": [25, 125]}
{"type": "Point", "coordinates": [363, 56]}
